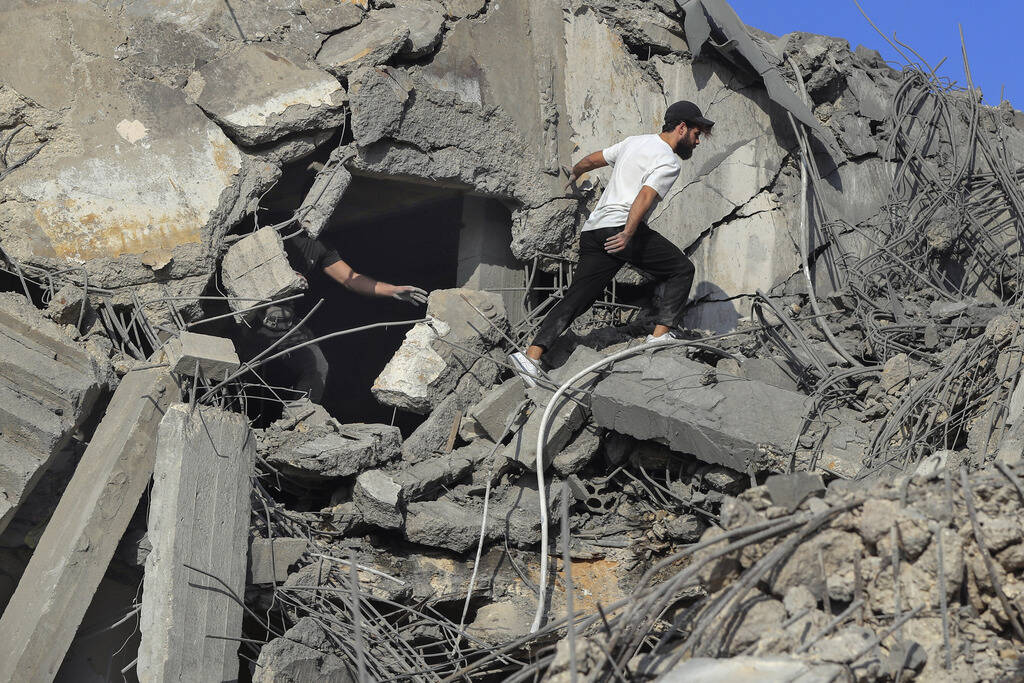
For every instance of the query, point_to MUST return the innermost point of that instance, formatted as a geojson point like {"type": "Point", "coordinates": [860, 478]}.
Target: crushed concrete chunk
{"type": "Point", "coordinates": [488, 417]}
{"type": "Point", "coordinates": [500, 622]}
{"type": "Point", "coordinates": [752, 670]}
{"type": "Point", "coordinates": [566, 418]}
{"type": "Point", "coordinates": [374, 41]}
{"type": "Point", "coordinates": [303, 653]}
{"type": "Point", "coordinates": [204, 462]}
{"type": "Point", "coordinates": [270, 558]}
{"type": "Point", "coordinates": [256, 269]}
{"type": "Point", "coordinates": [378, 499]}
{"type": "Point", "coordinates": [579, 452]}
{"type": "Point", "coordinates": [329, 16]}
{"type": "Point", "coordinates": [790, 490]}
{"type": "Point", "coordinates": [260, 96]}
{"type": "Point", "coordinates": [357, 447]}
{"type": "Point", "coordinates": [444, 524]}
{"type": "Point", "coordinates": [215, 355]}
{"type": "Point", "coordinates": [327, 190]}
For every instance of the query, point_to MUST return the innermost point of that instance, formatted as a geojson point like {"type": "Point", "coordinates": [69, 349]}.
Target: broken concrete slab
{"type": "Point", "coordinates": [425, 369]}
{"type": "Point", "coordinates": [303, 653]}
{"type": "Point", "coordinates": [330, 16]}
{"type": "Point", "coordinates": [378, 499]}
{"type": "Point", "coordinates": [48, 386]}
{"type": "Point", "coordinates": [327, 189]}
{"type": "Point", "coordinates": [319, 457]}
{"type": "Point", "coordinates": [69, 305]}
{"type": "Point", "coordinates": [198, 522]}
{"type": "Point", "coordinates": [668, 398]}
{"type": "Point", "coordinates": [432, 435]}
{"type": "Point", "coordinates": [215, 356]}
{"type": "Point", "coordinates": [256, 269]}
{"type": "Point", "coordinates": [489, 417]}
{"type": "Point", "coordinates": [73, 553]}
{"type": "Point", "coordinates": [430, 476]}
{"type": "Point", "coordinates": [425, 19]}
{"type": "Point", "coordinates": [444, 523]}
{"type": "Point", "coordinates": [270, 558]}
{"type": "Point", "coordinates": [373, 41]}
{"type": "Point", "coordinates": [579, 452]}
{"type": "Point", "coordinates": [259, 95]}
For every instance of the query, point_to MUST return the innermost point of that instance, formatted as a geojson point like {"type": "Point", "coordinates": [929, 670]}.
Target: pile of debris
{"type": "Point", "coordinates": [819, 480]}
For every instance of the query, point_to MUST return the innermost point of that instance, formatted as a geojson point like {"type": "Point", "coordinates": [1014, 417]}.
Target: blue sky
{"type": "Point", "coordinates": [992, 30]}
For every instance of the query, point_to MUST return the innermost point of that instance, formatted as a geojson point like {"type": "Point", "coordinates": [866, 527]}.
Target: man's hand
{"type": "Point", "coordinates": [409, 294]}
{"type": "Point", "coordinates": [570, 187]}
{"type": "Point", "coordinates": [618, 241]}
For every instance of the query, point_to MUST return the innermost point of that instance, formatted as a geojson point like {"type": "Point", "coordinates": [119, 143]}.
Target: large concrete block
{"type": "Point", "coordinates": [259, 96]}
{"type": "Point", "coordinates": [425, 369]}
{"type": "Point", "coordinates": [198, 516]}
{"type": "Point", "coordinates": [256, 269]}
{"type": "Point", "coordinates": [355, 448]}
{"type": "Point", "coordinates": [73, 553]}
{"type": "Point", "coordinates": [667, 398]}
{"type": "Point", "coordinates": [489, 416]}
{"type": "Point", "coordinates": [48, 386]}
{"type": "Point", "coordinates": [215, 355]}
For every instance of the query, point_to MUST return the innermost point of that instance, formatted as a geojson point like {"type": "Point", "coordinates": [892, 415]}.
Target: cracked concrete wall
{"type": "Point", "coordinates": [142, 166]}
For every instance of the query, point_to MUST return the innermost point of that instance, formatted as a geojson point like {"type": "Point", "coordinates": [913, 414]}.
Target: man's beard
{"type": "Point", "coordinates": [684, 150]}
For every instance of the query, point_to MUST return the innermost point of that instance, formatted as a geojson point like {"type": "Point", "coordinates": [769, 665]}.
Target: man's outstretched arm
{"type": "Point", "coordinates": [588, 163]}
{"type": "Point", "coordinates": [341, 272]}
{"type": "Point", "coordinates": [643, 202]}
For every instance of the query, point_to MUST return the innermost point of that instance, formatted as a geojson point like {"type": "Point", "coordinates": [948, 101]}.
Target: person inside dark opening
{"type": "Point", "coordinates": [305, 370]}
{"type": "Point", "coordinates": [644, 168]}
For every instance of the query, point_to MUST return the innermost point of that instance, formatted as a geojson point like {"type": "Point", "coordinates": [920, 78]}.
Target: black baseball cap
{"type": "Point", "coordinates": [688, 112]}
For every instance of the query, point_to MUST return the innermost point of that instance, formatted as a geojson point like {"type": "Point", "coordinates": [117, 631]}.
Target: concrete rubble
{"type": "Point", "coordinates": [820, 480]}
{"type": "Point", "coordinates": [199, 521]}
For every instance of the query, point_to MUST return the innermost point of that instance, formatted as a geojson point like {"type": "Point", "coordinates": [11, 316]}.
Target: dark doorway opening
{"type": "Point", "coordinates": [399, 232]}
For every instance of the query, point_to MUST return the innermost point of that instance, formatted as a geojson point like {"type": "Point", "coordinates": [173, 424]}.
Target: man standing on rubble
{"type": "Point", "coordinates": [306, 369]}
{"type": "Point", "coordinates": [644, 168]}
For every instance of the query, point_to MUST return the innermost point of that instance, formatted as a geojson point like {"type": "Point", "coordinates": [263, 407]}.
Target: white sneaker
{"type": "Point", "coordinates": [526, 368]}
{"type": "Point", "coordinates": [666, 338]}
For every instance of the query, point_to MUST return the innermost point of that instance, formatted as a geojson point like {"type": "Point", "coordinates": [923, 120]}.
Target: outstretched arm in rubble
{"type": "Point", "coordinates": [585, 165]}
{"type": "Point", "coordinates": [342, 273]}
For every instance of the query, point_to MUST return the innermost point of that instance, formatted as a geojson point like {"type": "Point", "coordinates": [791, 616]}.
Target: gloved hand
{"type": "Point", "coordinates": [410, 294]}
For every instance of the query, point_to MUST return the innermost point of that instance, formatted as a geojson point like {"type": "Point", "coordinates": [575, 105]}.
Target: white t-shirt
{"type": "Point", "coordinates": [636, 161]}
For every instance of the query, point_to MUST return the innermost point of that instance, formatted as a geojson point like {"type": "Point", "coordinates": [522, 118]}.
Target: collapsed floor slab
{"type": "Point", "coordinates": [73, 553]}
{"type": "Point", "coordinates": [738, 423]}
{"type": "Point", "coordinates": [48, 386]}
{"type": "Point", "coordinates": [198, 517]}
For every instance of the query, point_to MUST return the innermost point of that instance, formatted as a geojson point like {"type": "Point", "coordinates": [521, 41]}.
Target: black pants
{"type": "Point", "coordinates": [648, 250]}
